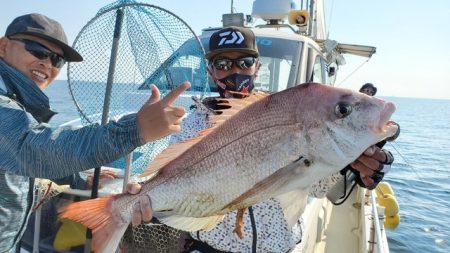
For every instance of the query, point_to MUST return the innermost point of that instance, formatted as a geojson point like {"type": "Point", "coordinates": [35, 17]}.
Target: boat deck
{"type": "Point", "coordinates": [338, 228]}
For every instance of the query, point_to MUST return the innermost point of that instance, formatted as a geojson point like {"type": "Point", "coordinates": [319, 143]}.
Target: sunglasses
{"type": "Point", "coordinates": [368, 91]}
{"type": "Point", "coordinates": [42, 52]}
{"type": "Point", "coordinates": [227, 64]}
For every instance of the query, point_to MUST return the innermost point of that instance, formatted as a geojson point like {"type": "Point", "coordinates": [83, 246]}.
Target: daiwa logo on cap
{"type": "Point", "coordinates": [231, 38]}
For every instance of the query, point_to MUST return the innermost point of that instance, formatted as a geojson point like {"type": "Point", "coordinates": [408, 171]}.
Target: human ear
{"type": "Point", "coordinates": [3, 43]}
{"type": "Point", "coordinates": [258, 66]}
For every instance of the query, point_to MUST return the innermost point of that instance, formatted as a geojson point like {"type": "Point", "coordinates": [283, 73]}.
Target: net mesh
{"type": "Point", "coordinates": [45, 189]}
{"type": "Point", "coordinates": [155, 238]}
{"type": "Point", "coordinates": [155, 47]}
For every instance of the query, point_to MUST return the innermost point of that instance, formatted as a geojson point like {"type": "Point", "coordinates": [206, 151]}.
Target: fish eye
{"type": "Point", "coordinates": [342, 110]}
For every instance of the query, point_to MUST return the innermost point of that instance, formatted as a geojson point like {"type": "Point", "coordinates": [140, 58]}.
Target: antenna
{"type": "Point", "coordinates": [232, 7]}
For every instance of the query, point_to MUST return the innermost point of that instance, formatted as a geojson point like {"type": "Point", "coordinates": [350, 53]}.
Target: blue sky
{"type": "Point", "coordinates": [412, 37]}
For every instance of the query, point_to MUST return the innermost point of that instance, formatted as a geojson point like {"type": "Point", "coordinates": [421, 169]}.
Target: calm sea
{"type": "Point", "coordinates": [420, 175]}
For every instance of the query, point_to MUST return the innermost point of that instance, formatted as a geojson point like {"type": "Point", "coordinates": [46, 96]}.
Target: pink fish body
{"type": "Point", "coordinates": [268, 146]}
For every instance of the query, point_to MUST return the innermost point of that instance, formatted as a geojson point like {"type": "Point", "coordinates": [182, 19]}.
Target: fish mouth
{"type": "Point", "coordinates": [386, 127]}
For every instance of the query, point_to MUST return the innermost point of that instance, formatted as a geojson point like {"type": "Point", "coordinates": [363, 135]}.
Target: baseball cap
{"type": "Point", "coordinates": [43, 27]}
{"type": "Point", "coordinates": [232, 38]}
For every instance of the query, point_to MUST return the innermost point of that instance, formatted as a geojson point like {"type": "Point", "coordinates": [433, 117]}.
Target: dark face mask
{"type": "Point", "coordinates": [235, 82]}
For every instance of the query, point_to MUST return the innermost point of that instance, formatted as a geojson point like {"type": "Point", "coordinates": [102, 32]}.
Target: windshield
{"type": "Point", "coordinates": [277, 57]}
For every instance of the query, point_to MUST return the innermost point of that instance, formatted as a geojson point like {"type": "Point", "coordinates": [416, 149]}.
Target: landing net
{"type": "Point", "coordinates": [155, 46]}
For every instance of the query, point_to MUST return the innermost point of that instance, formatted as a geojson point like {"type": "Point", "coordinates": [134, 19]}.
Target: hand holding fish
{"type": "Point", "coordinates": [369, 162]}
{"type": "Point", "coordinates": [142, 210]}
{"type": "Point", "coordinates": [158, 118]}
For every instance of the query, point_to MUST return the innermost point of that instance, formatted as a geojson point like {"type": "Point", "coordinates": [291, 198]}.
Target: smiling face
{"type": "Point", "coordinates": [41, 72]}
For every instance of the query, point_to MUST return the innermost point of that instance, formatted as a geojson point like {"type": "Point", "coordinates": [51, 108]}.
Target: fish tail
{"type": "Point", "coordinates": [99, 216]}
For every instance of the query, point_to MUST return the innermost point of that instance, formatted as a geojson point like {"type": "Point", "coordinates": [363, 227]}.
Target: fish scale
{"type": "Point", "coordinates": [240, 166]}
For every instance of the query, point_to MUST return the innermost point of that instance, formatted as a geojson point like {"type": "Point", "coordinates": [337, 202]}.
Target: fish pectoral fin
{"type": "Point", "coordinates": [293, 204]}
{"type": "Point", "coordinates": [189, 223]}
{"type": "Point", "coordinates": [271, 186]}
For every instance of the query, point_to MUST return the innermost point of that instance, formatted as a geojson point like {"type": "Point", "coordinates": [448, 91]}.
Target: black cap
{"type": "Point", "coordinates": [43, 27]}
{"type": "Point", "coordinates": [232, 38]}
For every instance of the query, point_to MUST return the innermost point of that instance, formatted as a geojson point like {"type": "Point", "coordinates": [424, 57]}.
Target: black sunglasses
{"type": "Point", "coordinates": [368, 91]}
{"type": "Point", "coordinates": [226, 64]}
{"type": "Point", "coordinates": [42, 52]}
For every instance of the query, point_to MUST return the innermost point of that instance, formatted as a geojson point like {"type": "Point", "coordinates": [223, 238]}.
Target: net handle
{"type": "Point", "coordinates": [106, 105]}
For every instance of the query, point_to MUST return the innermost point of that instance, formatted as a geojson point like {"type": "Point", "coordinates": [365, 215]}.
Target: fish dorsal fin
{"type": "Point", "coordinates": [173, 151]}
{"type": "Point", "coordinates": [229, 107]}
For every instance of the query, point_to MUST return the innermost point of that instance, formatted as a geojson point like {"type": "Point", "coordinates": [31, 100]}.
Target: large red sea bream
{"type": "Point", "coordinates": [264, 146]}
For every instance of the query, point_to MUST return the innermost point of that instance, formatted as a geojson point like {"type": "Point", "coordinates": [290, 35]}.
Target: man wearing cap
{"type": "Point", "coordinates": [32, 52]}
{"type": "Point", "coordinates": [233, 60]}
{"type": "Point", "coordinates": [233, 64]}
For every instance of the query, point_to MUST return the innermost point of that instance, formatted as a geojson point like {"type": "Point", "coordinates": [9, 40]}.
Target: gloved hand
{"type": "Point", "coordinates": [371, 166]}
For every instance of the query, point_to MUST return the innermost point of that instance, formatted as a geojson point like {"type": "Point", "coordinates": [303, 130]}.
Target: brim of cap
{"type": "Point", "coordinates": [213, 53]}
{"type": "Point", "coordinates": [70, 54]}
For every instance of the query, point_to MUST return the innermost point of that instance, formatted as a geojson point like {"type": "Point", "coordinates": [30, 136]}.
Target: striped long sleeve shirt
{"type": "Point", "coordinates": [30, 149]}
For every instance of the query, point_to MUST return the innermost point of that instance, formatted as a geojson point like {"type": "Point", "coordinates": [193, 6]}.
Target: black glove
{"type": "Point", "coordinates": [215, 103]}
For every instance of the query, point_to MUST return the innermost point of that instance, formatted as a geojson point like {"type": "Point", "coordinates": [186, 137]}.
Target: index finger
{"type": "Point", "coordinates": [172, 96]}
{"type": "Point", "coordinates": [379, 155]}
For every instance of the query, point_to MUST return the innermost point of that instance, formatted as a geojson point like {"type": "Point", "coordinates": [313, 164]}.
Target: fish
{"type": "Point", "coordinates": [260, 147]}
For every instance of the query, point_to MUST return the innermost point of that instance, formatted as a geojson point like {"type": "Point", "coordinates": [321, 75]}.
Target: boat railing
{"type": "Point", "coordinates": [378, 243]}
{"type": "Point", "coordinates": [277, 26]}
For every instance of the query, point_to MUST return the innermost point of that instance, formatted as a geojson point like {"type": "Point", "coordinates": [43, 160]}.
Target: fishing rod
{"type": "Point", "coordinates": [353, 72]}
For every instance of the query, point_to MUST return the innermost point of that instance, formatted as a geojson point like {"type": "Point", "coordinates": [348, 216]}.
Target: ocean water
{"type": "Point", "coordinates": [420, 175]}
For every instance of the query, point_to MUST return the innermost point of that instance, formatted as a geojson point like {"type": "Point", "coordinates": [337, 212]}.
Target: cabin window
{"type": "Point", "coordinates": [278, 57]}
{"type": "Point", "coordinates": [273, 74]}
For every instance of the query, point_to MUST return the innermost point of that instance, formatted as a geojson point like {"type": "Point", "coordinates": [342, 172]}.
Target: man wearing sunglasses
{"type": "Point", "coordinates": [233, 61]}
{"type": "Point", "coordinates": [32, 52]}
{"type": "Point", "coordinates": [233, 64]}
